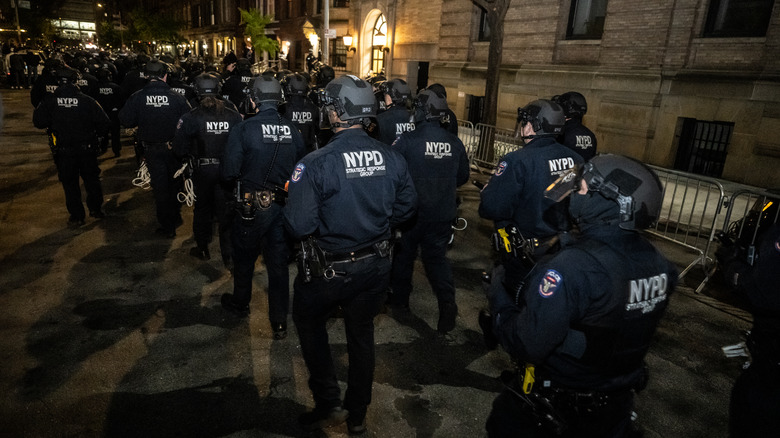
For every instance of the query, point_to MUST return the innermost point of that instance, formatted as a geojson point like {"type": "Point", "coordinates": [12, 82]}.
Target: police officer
{"type": "Point", "coordinates": [449, 121]}
{"type": "Point", "coordinates": [514, 197]}
{"type": "Point", "coordinates": [236, 86]}
{"type": "Point", "coordinates": [576, 136]}
{"type": "Point", "coordinates": [260, 155]}
{"type": "Point", "coordinates": [156, 110]}
{"type": "Point", "coordinates": [755, 399]}
{"type": "Point", "coordinates": [87, 82]}
{"type": "Point", "coordinates": [301, 110]}
{"type": "Point", "coordinates": [74, 122]}
{"type": "Point", "coordinates": [47, 82]}
{"type": "Point", "coordinates": [397, 119]}
{"type": "Point", "coordinates": [177, 84]}
{"type": "Point", "coordinates": [202, 135]}
{"type": "Point", "coordinates": [438, 165]}
{"type": "Point", "coordinates": [344, 199]}
{"type": "Point", "coordinates": [111, 97]}
{"type": "Point", "coordinates": [585, 320]}
{"type": "Point", "coordinates": [135, 78]}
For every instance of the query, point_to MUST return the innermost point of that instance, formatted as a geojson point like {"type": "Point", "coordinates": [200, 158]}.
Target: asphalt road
{"type": "Point", "coordinates": [108, 330]}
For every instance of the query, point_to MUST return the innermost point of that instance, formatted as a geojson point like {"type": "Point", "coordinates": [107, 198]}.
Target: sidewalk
{"type": "Point", "coordinates": [107, 330]}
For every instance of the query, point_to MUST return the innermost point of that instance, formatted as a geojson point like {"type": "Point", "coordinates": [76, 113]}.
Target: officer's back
{"type": "Point", "coordinates": [437, 159]}
{"type": "Point", "coordinates": [155, 109]}
{"type": "Point", "coordinates": [397, 119]}
{"type": "Point", "coordinates": [72, 117]}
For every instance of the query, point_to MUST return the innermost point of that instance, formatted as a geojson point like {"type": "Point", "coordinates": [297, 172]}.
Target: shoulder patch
{"type": "Point", "coordinates": [298, 172]}
{"type": "Point", "coordinates": [551, 280]}
{"type": "Point", "coordinates": [501, 168]}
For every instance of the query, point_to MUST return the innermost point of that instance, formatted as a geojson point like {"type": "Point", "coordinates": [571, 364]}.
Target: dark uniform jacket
{"type": "Point", "coordinates": [184, 89]}
{"type": "Point", "coordinates": [235, 86]}
{"type": "Point", "coordinates": [438, 165]}
{"type": "Point", "coordinates": [579, 138]}
{"type": "Point", "coordinates": [203, 133]}
{"type": "Point", "coordinates": [45, 84]}
{"type": "Point", "coordinates": [515, 193]}
{"type": "Point", "coordinates": [392, 123]}
{"type": "Point", "coordinates": [111, 98]}
{"type": "Point", "coordinates": [305, 115]}
{"type": "Point", "coordinates": [74, 118]}
{"type": "Point", "coordinates": [587, 316]}
{"type": "Point", "coordinates": [350, 193]}
{"type": "Point", "coordinates": [262, 151]}
{"type": "Point", "coordinates": [88, 84]}
{"type": "Point", "coordinates": [155, 110]}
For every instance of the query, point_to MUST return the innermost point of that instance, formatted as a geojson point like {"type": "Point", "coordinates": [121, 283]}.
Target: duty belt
{"type": "Point", "coordinates": [207, 161]}
{"type": "Point", "coordinates": [352, 256]}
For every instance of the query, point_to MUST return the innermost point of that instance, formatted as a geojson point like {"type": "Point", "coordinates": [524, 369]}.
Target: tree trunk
{"type": "Point", "coordinates": [496, 12]}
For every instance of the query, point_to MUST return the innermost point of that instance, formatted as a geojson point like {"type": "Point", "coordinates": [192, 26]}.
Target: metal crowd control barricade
{"type": "Point", "coordinates": [750, 212]}
{"type": "Point", "coordinates": [691, 205]}
{"type": "Point", "coordinates": [493, 143]}
{"type": "Point", "coordinates": [466, 135]}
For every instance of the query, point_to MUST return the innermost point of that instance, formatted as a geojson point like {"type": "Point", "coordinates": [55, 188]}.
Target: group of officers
{"type": "Point", "coordinates": [575, 296]}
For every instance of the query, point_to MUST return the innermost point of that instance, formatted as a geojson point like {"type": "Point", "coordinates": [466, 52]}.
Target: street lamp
{"type": "Point", "coordinates": [380, 39]}
{"type": "Point", "coordinates": [348, 42]}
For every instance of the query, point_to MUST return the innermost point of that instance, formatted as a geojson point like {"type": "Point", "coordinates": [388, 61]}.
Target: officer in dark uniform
{"type": "Point", "coordinates": [301, 110]}
{"type": "Point", "coordinates": [178, 85]}
{"type": "Point", "coordinates": [449, 121]}
{"type": "Point", "coordinates": [514, 197]}
{"type": "Point", "coordinates": [74, 122]}
{"type": "Point", "coordinates": [344, 199]}
{"type": "Point", "coordinates": [585, 320]}
{"type": "Point", "coordinates": [397, 119]}
{"type": "Point", "coordinates": [156, 110]}
{"type": "Point", "coordinates": [236, 86]}
{"type": "Point", "coordinates": [87, 82]}
{"type": "Point", "coordinates": [47, 81]}
{"type": "Point", "coordinates": [111, 97]}
{"type": "Point", "coordinates": [135, 78]}
{"type": "Point", "coordinates": [576, 136]}
{"type": "Point", "coordinates": [202, 135]}
{"type": "Point", "coordinates": [438, 165]}
{"type": "Point", "coordinates": [260, 156]}
{"type": "Point", "coordinates": [755, 399]}
{"type": "Point", "coordinates": [323, 75]}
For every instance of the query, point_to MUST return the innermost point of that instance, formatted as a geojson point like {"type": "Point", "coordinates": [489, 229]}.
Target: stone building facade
{"type": "Point", "coordinates": [675, 84]}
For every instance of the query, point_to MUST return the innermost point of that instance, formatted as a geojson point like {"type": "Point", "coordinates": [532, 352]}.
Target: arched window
{"type": "Point", "coordinates": [379, 37]}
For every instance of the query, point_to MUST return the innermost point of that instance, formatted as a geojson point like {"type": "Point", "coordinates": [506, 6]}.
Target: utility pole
{"type": "Point", "coordinates": [15, 4]}
{"type": "Point", "coordinates": [326, 28]}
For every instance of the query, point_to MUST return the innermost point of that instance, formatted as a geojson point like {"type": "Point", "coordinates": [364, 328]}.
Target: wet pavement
{"type": "Point", "coordinates": [109, 330]}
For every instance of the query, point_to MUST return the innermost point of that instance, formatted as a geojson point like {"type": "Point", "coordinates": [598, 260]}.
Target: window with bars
{"type": "Point", "coordinates": [586, 19]}
{"type": "Point", "coordinates": [338, 55]}
{"type": "Point", "coordinates": [340, 3]}
{"type": "Point", "coordinates": [738, 18]}
{"type": "Point", "coordinates": [702, 146]}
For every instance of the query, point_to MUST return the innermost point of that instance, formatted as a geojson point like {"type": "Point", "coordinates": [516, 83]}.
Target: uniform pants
{"type": "Point", "coordinates": [162, 166]}
{"type": "Point", "coordinates": [754, 409]}
{"type": "Point", "coordinates": [511, 417]}
{"type": "Point", "coordinates": [432, 239]}
{"type": "Point", "coordinates": [113, 135]}
{"type": "Point", "coordinates": [73, 163]}
{"type": "Point", "coordinates": [264, 234]}
{"type": "Point", "coordinates": [360, 291]}
{"type": "Point", "coordinates": [210, 203]}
